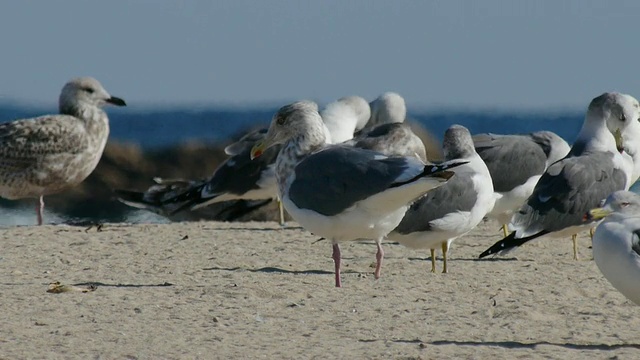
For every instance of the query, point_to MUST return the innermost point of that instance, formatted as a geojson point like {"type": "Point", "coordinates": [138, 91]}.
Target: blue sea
{"type": "Point", "coordinates": [154, 129]}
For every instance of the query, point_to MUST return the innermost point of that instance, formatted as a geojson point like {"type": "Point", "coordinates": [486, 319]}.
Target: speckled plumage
{"type": "Point", "coordinates": [48, 154]}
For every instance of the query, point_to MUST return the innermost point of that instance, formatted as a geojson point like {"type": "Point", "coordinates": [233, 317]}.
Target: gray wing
{"type": "Point", "coordinates": [566, 191]}
{"type": "Point", "coordinates": [544, 139]}
{"type": "Point", "coordinates": [23, 143]}
{"type": "Point", "coordinates": [511, 159]}
{"type": "Point", "coordinates": [394, 139]}
{"type": "Point", "coordinates": [239, 174]}
{"type": "Point", "coordinates": [337, 177]}
{"type": "Point", "coordinates": [457, 194]}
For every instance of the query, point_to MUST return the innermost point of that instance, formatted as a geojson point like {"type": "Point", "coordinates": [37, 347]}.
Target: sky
{"type": "Point", "coordinates": [535, 55]}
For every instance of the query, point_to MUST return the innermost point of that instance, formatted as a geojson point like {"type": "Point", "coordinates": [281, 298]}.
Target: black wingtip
{"type": "Point", "coordinates": [129, 196]}
{"type": "Point", "coordinates": [509, 243]}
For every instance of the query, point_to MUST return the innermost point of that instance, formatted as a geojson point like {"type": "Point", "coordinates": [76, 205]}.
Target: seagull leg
{"type": "Point", "coordinates": [591, 232]}
{"type": "Point", "coordinates": [505, 230]}
{"type": "Point", "coordinates": [336, 261]}
{"type": "Point", "coordinates": [281, 210]}
{"type": "Point", "coordinates": [433, 260]}
{"type": "Point", "coordinates": [445, 248]}
{"type": "Point", "coordinates": [379, 257]}
{"type": "Point", "coordinates": [574, 238]}
{"type": "Point", "coordinates": [40, 209]}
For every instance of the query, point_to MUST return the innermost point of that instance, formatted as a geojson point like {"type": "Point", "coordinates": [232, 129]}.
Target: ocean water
{"type": "Point", "coordinates": [171, 126]}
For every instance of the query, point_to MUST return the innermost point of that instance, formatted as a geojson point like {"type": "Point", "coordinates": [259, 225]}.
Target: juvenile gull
{"type": "Point", "coordinates": [455, 208]}
{"type": "Point", "coordinates": [593, 169]}
{"type": "Point", "coordinates": [516, 163]}
{"type": "Point", "coordinates": [616, 242]}
{"type": "Point", "coordinates": [386, 132]}
{"type": "Point", "coordinates": [339, 192]}
{"type": "Point", "coordinates": [239, 177]}
{"type": "Point", "coordinates": [51, 153]}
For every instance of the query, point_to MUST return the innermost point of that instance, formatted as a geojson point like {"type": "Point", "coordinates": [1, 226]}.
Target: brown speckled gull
{"type": "Point", "coordinates": [48, 154]}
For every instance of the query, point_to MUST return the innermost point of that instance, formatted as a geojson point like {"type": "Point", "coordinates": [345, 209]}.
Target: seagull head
{"type": "Point", "coordinates": [85, 91]}
{"type": "Point", "coordinates": [619, 204]}
{"type": "Point", "coordinates": [299, 120]}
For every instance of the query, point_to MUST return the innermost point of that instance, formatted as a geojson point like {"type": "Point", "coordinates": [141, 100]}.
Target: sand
{"type": "Point", "coordinates": [210, 290]}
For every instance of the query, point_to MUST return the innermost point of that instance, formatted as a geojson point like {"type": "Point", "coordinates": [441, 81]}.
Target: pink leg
{"type": "Point", "coordinates": [40, 210]}
{"type": "Point", "coordinates": [379, 257]}
{"type": "Point", "coordinates": [336, 261]}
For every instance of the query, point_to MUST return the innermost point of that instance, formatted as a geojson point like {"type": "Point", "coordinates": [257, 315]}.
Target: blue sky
{"type": "Point", "coordinates": [472, 54]}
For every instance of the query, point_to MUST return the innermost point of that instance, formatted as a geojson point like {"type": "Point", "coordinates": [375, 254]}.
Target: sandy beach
{"type": "Point", "coordinates": [207, 290]}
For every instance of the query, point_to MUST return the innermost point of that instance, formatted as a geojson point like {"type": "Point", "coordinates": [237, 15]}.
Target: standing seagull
{"type": "Point", "coordinates": [572, 186]}
{"type": "Point", "coordinates": [616, 242]}
{"type": "Point", "coordinates": [453, 209]}
{"type": "Point", "coordinates": [51, 153]}
{"type": "Point", "coordinates": [516, 163]}
{"type": "Point", "coordinates": [340, 192]}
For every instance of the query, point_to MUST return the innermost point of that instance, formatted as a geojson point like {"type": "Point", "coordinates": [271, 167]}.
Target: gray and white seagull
{"type": "Point", "coordinates": [340, 192]}
{"type": "Point", "coordinates": [444, 214]}
{"type": "Point", "coordinates": [616, 242]}
{"type": "Point", "coordinates": [572, 186]}
{"type": "Point", "coordinates": [516, 163]}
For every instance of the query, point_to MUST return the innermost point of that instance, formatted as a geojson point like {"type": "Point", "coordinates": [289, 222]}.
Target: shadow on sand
{"type": "Point", "coordinates": [275, 270]}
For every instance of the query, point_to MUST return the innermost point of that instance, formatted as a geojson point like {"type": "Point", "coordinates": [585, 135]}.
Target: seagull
{"type": "Point", "coordinates": [514, 177]}
{"type": "Point", "coordinates": [340, 192]}
{"type": "Point", "coordinates": [51, 153]}
{"type": "Point", "coordinates": [616, 242]}
{"type": "Point", "coordinates": [570, 187]}
{"type": "Point", "coordinates": [240, 177]}
{"type": "Point", "coordinates": [344, 117]}
{"type": "Point", "coordinates": [386, 132]}
{"type": "Point", "coordinates": [237, 178]}
{"type": "Point", "coordinates": [455, 208]}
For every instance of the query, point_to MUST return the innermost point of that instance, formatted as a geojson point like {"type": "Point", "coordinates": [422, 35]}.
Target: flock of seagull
{"type": "Point", "coordinates": [355, 170]}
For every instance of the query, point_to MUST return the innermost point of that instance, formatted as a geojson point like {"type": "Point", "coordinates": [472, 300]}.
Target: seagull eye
{"type": "Point", "coordinates": [280, 121]}
{"type": "Point", "coordinates": [623, 118]}
{"type": "Point", "coordinates": [625, 204]}
{"type": "Point", "coordinates": [89, 90]}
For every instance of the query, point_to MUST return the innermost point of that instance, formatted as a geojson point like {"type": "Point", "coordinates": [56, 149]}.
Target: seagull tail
{"type": "Point", "coordinates": [509, 243]}
{"type": "Point", "coordinates": [440, 171]}
{"type": "Point", "coordinates": [189, 199]}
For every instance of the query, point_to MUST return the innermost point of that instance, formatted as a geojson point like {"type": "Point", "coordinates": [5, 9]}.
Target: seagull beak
{"type": "Point", "coordinates": [619, 141]}
{"type": "Point", "coordinates": [596, 214]}
{"type": "Point", "coordinates": [116, 101]}
{"type": "Point", "coordinates": [258, 149]}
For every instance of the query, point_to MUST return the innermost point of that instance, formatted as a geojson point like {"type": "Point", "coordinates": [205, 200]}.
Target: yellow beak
{"type": "Point", "coordinates": [619, 142]}
{"type": "Point", "coordinates": [598, 213]}
{"type": "Point", "coordinates": [258, 149]}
